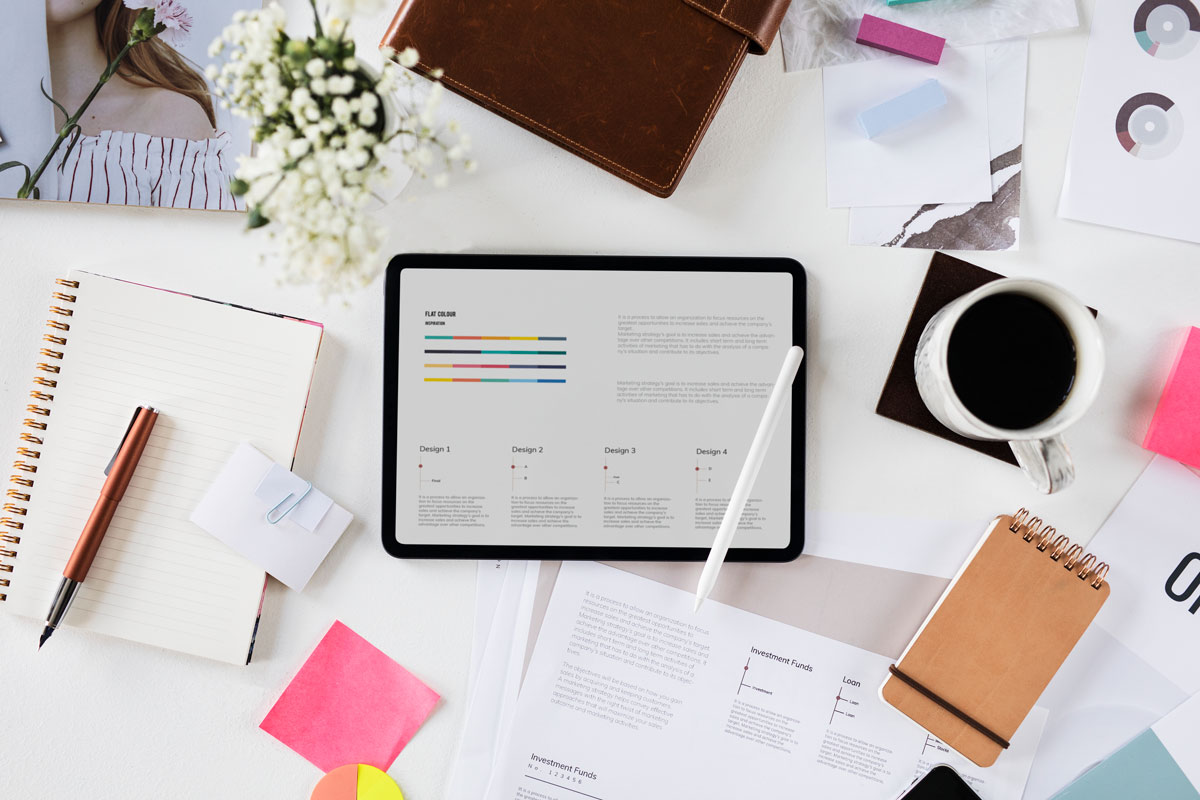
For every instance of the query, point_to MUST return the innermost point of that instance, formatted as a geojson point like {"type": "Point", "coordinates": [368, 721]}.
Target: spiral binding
{"type": "Point", "coordinates": [25, 467]}
{"type": "Point", "coordinates": [1048, 540]}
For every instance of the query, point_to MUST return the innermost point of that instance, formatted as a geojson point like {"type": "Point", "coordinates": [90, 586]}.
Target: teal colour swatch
{"type": "Point", "coordinates": [1141, 770]}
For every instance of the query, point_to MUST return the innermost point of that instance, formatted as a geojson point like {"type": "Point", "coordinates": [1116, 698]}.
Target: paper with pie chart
{"type": "Point", "coordinates": [714, 704]}
{"type": "Point", "coordinates": [1134, 161]}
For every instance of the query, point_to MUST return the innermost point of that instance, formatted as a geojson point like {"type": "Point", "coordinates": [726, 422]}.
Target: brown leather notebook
{"type": "Point", "coordinates": [630, 85]}
{"type": "Point", "coordinates": [997, 636]}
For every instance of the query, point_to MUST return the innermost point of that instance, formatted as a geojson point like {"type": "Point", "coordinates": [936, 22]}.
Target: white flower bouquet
{"type": "Point", "coordinates": [326, 128]}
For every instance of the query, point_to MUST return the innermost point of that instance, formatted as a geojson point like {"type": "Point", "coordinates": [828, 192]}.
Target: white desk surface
{"type": "Point", "coordinates": [97, 717]}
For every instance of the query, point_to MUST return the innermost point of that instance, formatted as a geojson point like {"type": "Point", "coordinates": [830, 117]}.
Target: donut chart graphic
{"type": "Point", "coordinates": [1149, 126]}
{"type": "Point", "coordinates": [1167, 28]}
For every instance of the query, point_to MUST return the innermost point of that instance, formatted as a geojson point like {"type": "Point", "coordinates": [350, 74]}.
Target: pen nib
{"type": "Point", "coordinates": [45, 635]}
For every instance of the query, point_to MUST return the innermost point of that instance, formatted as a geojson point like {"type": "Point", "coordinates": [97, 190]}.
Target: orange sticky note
{"type": "Point", "coordinates": [1175, 430]}
{"type": "Point", "coordinates": [350, 704]}
{"type": "Point", "coordinates": [357, 782]}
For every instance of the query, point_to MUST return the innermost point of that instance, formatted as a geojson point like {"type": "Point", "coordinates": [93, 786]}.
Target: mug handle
{"type": "Point", "coordinates": [1046, 461]}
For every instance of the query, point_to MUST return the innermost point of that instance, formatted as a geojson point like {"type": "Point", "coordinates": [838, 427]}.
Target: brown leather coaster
{"type": "Point", "coordinates": [948, 278]}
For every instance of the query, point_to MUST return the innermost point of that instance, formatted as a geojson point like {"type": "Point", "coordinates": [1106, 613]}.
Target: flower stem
{"type": "Point", "coordinates": [316, 18]}
{"type": "Point", "coordinates": [27, 189]}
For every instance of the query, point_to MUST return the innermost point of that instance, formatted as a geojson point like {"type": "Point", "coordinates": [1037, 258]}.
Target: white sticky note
{"type": "Point", "coordinates": [289, 496]}
{"type": "Point", "coordinates": [235, 507]}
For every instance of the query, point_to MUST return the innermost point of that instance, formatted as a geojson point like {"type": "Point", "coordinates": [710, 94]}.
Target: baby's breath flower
{"type": "Point", "coordinates": [408, 57]}
{"type": "Point", "coordinates": [326, 127]}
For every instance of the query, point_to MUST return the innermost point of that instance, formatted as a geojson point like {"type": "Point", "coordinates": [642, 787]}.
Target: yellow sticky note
{"type": "Point", "coordinates": [357, 782]}
{"type": "Point", "coordinates": [375, 784]}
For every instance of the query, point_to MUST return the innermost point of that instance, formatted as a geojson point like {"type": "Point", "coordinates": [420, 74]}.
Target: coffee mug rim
{"type": "Point", "coordinates": [1050, 426]}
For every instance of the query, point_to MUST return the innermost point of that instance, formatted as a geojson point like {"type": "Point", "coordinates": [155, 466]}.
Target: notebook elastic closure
{"type": "Point", "coordinates": [925, 692]}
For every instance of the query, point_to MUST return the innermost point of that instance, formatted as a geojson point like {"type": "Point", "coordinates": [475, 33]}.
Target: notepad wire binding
{"type": "Point", "coordinates": [1048, 540]}
{"type": "Point", "coordinates": [25, 467]}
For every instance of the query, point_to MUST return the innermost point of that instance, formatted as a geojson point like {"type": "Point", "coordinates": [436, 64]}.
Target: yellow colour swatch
{"type": "Point", "coordinates": [357, 782]}
{"type": "Point", "coordinates": [375, 784]}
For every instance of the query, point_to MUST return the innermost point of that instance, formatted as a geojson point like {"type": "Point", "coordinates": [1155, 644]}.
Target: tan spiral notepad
{"type": "Point", "coordinates": [219, 374]}
{"type": "Point", "coordinates": [997, 636]}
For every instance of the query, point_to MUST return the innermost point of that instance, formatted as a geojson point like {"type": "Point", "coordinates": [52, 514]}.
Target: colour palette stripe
{"type": "Point", "coordinates": [495, 380]}
{"type": "Point", "coordinates": [504, 338]}
{"type": "Point", "coordinates": [496, 366]}
{"type": "Point", "coordinates": [498, 352]}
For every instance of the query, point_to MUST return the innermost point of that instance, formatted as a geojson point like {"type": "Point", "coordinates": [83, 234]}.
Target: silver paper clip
{"type": "Point", "coordinates": [288, 510]}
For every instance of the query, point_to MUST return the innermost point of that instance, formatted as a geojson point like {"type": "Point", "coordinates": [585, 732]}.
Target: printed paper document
{"type": "Point", "coordinates": [723, 699]}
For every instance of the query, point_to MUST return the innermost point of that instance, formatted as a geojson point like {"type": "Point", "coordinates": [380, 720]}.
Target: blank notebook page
{"type": "Point", "coordinates": [218, 375]}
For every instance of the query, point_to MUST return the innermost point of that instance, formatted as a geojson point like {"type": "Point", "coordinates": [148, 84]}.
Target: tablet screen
{"type": "Point", "coordinates": [587, 407]}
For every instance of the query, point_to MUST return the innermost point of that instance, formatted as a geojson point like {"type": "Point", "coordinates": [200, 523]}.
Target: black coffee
{"type": "Point", "coordinates": [1011, 360]}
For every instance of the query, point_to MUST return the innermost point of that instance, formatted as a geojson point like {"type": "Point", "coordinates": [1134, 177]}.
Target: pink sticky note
{"type": "Point", "coordinates": [350, 704]}
{"type": "Point", "coordinates": [900, 39]}
{"type": "Point", "coordinates": [1175, 430]}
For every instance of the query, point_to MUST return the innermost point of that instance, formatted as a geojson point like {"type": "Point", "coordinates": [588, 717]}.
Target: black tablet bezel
{"type": "Point", "coordinates": [391, 350]}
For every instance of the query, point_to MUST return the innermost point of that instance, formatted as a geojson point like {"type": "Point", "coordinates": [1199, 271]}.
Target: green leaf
{"type": "Point", "coordinates": [22, 193]}
{"type": "Point", "coordinates": [58, 105]}
{"type": "Point", "coordinates": [256, 218]}
{"type": "Point", "coordinates": [239, 187]}
{"type": "Point", "coordinates": [11, 164]}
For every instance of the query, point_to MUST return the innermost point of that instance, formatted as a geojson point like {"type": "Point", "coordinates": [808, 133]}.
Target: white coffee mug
{"type": "Point", "coordinates": [1040, 449]}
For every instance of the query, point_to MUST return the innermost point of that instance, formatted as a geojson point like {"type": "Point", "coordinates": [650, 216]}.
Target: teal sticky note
{"type": "Point", "coordinates": [903, 109]}
{"type": "Point", "coordinates": [1141, 770]}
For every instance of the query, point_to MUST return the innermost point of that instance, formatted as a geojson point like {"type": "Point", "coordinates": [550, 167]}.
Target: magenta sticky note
{"type": "Point", "coordinates": [1175, 430]}
{"type": "Point", "coordinates": [350, 704]}
{"type": "Point", "coordinates": [900, 39]}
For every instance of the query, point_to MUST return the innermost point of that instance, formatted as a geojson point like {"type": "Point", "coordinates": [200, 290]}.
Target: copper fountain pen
{"type": "Point", "coordinates": [120, 472]}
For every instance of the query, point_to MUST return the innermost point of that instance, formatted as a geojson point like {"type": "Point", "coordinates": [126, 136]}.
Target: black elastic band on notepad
{"type": "Point", "coordinates": [953, 709]}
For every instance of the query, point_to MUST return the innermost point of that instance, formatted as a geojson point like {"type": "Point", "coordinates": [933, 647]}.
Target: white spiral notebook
{"type": "Point", "coordinates": [219, 374]}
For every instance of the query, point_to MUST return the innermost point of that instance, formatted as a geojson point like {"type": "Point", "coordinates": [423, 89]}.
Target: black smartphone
{"type": "Point", "coordinates": [940, 783]}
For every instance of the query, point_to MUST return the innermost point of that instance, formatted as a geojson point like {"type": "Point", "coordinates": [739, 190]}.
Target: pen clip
{"type": "Point", "coordinates": [277, 519]}
{"type": "Point", "coordinates": [117, 452]}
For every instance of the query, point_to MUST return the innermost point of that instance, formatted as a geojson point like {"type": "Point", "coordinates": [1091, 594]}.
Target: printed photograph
{"type": "Point", "coordinates": [106, 101]}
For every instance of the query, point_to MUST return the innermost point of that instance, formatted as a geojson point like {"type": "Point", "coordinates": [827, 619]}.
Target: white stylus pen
{"type": "Point", "coordinates": [745, 482]}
